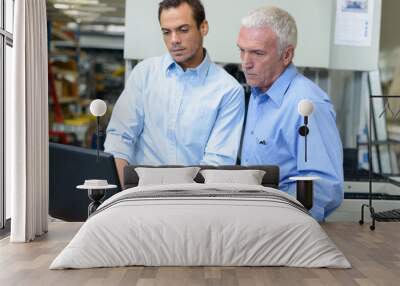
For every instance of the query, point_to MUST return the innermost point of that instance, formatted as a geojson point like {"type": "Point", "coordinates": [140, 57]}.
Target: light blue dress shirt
{"type": "Point", "coordinates": [166, 115]}
{"type": "Point", "coordinates": [271, 137]}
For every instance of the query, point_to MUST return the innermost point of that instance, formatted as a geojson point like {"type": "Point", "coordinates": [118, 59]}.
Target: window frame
{"type": "Point", "coordinates": [6, 39]}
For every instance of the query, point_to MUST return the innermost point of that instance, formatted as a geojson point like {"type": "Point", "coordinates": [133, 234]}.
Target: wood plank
{"type": "Point", "coordinates": [374, 255]}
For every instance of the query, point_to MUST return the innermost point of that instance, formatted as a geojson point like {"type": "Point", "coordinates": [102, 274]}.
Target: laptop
{"type": "Point", "coordinates": [70, 166]}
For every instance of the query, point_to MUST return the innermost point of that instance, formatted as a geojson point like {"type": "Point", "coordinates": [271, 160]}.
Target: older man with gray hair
{"type": "Point", "coordinates": [267, 41]}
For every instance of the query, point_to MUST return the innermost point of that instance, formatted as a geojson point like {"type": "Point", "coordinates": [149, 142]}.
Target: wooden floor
{"type": "Point", "coordinates": [374, 255]}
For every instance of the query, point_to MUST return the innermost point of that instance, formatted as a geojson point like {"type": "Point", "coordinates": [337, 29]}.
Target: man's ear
{"type": "Point", "coordinates": [288, 55]}
{"type": "Point", "coordinates": [204, 28]}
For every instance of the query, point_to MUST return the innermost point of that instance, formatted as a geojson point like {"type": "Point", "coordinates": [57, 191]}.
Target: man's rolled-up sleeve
{"type": "Point", "coordinates": [324, 159]}
{"type": "Point", "coordinates": [126, 122]}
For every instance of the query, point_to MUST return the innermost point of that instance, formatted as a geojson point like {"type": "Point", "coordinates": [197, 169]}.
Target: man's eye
{"type": "Point", "coordinates": [184, 30]}
{"type": "Point", "coordinates": [165, 33]}
{"type": "Point", "coordinates": [259, 53]}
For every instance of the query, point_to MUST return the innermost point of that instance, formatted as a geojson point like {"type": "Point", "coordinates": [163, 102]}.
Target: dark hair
{"type": "Point", "coordinates": [197, 8]}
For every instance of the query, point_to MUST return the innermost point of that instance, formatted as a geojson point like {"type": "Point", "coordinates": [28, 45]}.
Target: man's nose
{"type": "Point", "coordinates": [247, 61]}
{"type": "Point", "coordinates": [175, 39]}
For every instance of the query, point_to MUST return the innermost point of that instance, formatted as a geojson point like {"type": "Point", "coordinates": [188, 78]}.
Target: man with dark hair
{"type": "Point", "coordinates": [179, 108]}
{"type": "Point", "coordinates": [197, 9]}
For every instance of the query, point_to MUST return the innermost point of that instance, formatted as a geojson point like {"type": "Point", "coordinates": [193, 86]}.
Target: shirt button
{"type": "Point", "coordinates": [252, 132]}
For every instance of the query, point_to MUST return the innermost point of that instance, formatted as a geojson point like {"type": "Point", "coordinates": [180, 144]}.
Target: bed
{"type": "Point", "coordinates": [201, 224]}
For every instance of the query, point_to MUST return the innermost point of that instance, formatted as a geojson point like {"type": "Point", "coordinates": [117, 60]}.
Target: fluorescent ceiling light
{"type": "Point", "coordinates": [116, 28]}
{"type": "Point", "coordinates": [80, 13]}
{"type": "Point", "coordinates": [61, 6]}
{"type": "Point", "coordinates": [81, 2]}
{"type": "Point", "coordinates": [118, 20]}
{"type": "Point", "coordinates": [99, 8]}
{"type": "Point", "coordinates": [95, 8]}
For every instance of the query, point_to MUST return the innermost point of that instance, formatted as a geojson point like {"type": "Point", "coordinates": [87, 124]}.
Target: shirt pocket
{"type": "Point", "coordinates": [267, 150]}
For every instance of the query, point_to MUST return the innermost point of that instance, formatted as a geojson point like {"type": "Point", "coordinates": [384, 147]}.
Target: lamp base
{"type": "Point", "coordinates": [96, 196]}
{"type": "Point", "coordinates": [304, 190]}
{"type": "Point", "coordinates": [304, 193]}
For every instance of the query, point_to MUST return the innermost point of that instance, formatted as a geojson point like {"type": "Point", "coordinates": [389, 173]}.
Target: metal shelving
{"type": "Point", "coordinates": [390, 215]}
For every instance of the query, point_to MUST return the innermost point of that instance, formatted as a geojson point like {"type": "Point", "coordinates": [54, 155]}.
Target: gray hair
{"type": "Point", "coordinates": [278, 20]}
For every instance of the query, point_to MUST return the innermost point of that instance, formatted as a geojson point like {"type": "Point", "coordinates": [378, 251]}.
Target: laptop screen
{"type": "Point", "coordinates": [70, 166]}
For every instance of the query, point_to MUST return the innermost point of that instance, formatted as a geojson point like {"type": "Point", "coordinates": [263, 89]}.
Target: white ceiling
{"type": "Point", "coordinates": [106, 12]}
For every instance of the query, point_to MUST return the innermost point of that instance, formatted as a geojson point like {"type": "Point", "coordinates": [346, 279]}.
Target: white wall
{"type": "Point", "coordinates": [143, 36]}
{"type": "Point", "coordinates": [358, 58]}
{"type": "Point", "coordinates": [315, 20]}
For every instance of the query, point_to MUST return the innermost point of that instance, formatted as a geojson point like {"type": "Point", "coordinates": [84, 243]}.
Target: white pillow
{"type": "Point", "coordinates": [165, 176]}
{"type": "Point", "coordinates": [248, 177]}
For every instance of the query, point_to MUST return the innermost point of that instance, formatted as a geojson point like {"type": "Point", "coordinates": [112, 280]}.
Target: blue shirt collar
{"type": "Point", "coordinates": [170, 65]}
{"type": "Point", "coordinates": [279, 87]}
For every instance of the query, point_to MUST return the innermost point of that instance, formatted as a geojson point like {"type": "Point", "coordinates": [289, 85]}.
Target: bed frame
{"type": "Point", "coordinates": [270, 179]}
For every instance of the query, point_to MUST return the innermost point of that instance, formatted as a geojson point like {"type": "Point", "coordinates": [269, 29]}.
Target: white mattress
{"type": "Point", "coordinates": [202, 231]}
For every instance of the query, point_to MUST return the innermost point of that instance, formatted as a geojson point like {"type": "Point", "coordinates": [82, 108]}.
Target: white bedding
{"type": "Point", "coordinates": [181, 231]}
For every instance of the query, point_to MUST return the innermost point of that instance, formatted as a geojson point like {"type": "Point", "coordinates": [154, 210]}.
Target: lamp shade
{"type": "Point", "coordinates": [98, 107]}
{"type": "Point", "coordinates": [305, 107]}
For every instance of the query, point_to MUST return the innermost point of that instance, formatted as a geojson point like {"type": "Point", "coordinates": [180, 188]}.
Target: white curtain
{"type": "Point", "coordinates": [27, 123]}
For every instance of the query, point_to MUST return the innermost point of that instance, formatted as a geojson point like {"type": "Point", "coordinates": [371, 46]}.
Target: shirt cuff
{"type": "Point", "coordinates": [217, 160]}
{"type": "Point", "coordinates": [118, 147]}
{"type": "Point", "coordinates": [318, 213]}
